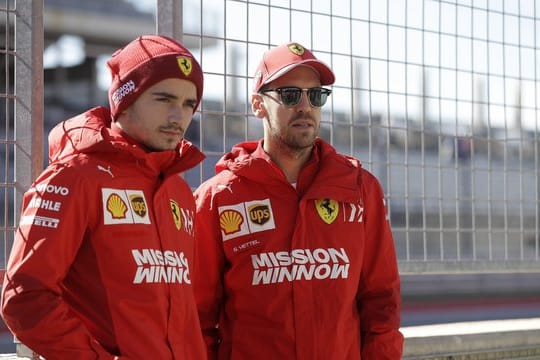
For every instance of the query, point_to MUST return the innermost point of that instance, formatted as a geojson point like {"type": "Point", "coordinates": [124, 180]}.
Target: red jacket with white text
{"type": "Point", "coordinates": [100, 266]}
{"type": "Point", "coordinates": [295, 273]}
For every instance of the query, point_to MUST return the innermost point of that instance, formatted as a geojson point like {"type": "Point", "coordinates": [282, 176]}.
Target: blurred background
{"type": "Point", "coordinates": [439, 99]}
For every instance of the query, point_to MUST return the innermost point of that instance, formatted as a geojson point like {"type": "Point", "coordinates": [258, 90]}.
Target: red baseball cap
{"type": "Point", "coordinates": [146, 61]}
{"type": "Point", "coordinates": [280, 60]}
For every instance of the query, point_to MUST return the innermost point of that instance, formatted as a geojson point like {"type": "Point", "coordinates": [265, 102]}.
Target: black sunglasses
{"type": "Point", "coordinates": [290, 95]}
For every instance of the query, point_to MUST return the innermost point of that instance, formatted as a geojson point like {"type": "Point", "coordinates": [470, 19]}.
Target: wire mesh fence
{"type": "Point", "coordinates": [439, 99]}
{"type": "Point", "coordinates": [7, 140]}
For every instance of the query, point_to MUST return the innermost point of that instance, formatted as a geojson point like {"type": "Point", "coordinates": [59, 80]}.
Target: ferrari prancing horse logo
{"type": "Point", "coordinates": [175, 209]}
{"type": "Point", "coordinates": [296, 49]}
{"type": "Point", "coordinates": [184, 63]}
{"type": "Point", "coordinates": [327, 209]}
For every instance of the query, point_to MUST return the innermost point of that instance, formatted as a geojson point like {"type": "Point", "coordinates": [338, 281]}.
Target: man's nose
{"type": "Point", "coordinates": [304, 104]}
{"type": "Point", "coordinates": [177, 115]}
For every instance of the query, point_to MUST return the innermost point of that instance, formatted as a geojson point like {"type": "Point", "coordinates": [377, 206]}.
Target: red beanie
{"type": "Point", "coordinates": [146, 61]}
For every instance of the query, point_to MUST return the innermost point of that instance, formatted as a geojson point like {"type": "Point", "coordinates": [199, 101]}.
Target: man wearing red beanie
{"type": "Point", "coordinates": [295, 256]}
{"type": "Point", "coordinates": [101, 264]}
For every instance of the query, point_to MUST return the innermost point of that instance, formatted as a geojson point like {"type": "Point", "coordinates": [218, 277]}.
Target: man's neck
{"type": "Point", "coordinates": [289, 161]}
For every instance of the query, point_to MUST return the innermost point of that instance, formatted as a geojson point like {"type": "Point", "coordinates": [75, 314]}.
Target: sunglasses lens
{"type": "Point", "coordinates": [317, 97]}
{"type": "Point", "coordinates": [290, 96]}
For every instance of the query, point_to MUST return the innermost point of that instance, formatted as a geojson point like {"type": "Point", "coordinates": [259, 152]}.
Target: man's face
{"type": "Point", "coordinates": [161, 115]}
{"type": "Point", "coordinates": [294, 128]}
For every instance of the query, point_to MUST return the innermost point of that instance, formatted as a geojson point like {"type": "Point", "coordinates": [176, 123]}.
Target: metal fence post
{"type": "Point", "coordinates": [29, 105]}
{"type": "Point", "coordinates": [169, 18]}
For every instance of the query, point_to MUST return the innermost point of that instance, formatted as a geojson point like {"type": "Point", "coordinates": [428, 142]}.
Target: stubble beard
{"type": "Point", "coordinates": [292, 143]}
{"type": "Point", "coordinates": [295, 144]}
{"type": "Point", "coordinates": [300, 141]}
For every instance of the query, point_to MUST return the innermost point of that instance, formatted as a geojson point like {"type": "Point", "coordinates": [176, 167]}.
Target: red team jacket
{"type": "Point", "coordinates": [101, 263]}
{"type": "Point", "coordinates": [305, 273]}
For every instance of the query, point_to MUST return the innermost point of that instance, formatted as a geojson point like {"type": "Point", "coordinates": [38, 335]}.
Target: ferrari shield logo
{"type": "Point", "coordinates": [327, 209]}
{"type": "Point", "coordinates": [175, 209]}
{"type": "Point", "coordinates": [296, 49]}
{"type": "Point", "coordinates": [184, 63]}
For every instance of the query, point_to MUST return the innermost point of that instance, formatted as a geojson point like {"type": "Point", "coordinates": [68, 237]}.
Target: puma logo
{"type": "Point", "coordinates": [107, 170]}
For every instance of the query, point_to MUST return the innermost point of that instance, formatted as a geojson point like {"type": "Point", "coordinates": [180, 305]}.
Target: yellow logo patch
{"type": "Point", "coordinates": [184, 63]}
{"type": "Point", "coordinates": [327, 209]}
{"type": "Point", "coordinates": [296, 49]}
{"type": "Point", "coordinates": [116, 207]}
{"type": "Point", "coordinates": [175, 209]}
{"type": "Point", "coordinates": [123, 206]}
{"type": "Point", "coordinates": [230, 221]}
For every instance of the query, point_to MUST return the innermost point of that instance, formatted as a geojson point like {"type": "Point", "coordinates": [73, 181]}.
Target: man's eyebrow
{"type": "Point", "coordinates": [165, 94]}
{"type": "Point", "coordinates": [170, 96]}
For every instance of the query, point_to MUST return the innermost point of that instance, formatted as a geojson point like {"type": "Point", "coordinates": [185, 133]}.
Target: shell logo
{"type": "Point", "coordinates": [116, 206]}
{"type": "Point", "coordinates": [230, 221]}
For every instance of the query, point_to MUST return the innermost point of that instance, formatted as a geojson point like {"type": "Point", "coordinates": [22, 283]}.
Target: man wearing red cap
{"type": "Point", "coordinates": [102, 261]}
{"type": "Point", "coordinates": [294, 254]}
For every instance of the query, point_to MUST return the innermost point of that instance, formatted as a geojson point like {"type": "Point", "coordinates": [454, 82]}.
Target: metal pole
{"type": "Point", "coordinates": [169, 18]}
{"type": "Point", "coordinates": [29, 105]}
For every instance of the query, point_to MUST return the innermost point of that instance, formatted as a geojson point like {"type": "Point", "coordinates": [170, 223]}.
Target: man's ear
{"type": "Point", "coordinates": [257, 106]}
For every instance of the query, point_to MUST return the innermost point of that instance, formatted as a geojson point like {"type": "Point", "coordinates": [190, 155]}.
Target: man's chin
{"type": "Point", "coordinates": [302, 145]}
{"type": "Point", "coordinates": [165, 146]}
{"type": "Point", "coordinates": [305, 141]}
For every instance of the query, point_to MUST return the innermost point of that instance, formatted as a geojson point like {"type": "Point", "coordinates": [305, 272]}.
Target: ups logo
{"type": "Point", "coordinates": [138, 205]}
{"type": "Point", "coordinates": [259, 213]}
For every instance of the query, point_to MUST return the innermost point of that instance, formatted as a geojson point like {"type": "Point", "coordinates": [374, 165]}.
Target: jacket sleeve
{"type": "Point", "coordinates": [51, 229]}
{"type": "Point", "coordinates": [209, 268]}
{"type": "Point", "coordinates": [379, 298]}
